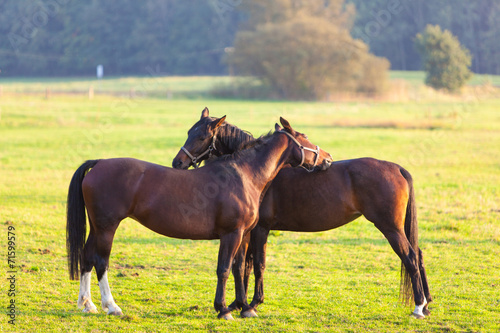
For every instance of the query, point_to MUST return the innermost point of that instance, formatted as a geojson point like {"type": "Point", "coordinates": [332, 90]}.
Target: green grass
{"type": "Point", "coordinates": [343, 280]}
{"type": "Point", "coordinates": [417, 77]}
{"type": "Point", "coordinates": [172, 87]}
{"type": "Point", "coordinates": [153, 85]}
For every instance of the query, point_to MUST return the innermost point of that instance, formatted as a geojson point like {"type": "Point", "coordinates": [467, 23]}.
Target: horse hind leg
{"type": "Point", "coordinates": [107, 302]}
{"type": "Point", "coordinates": [403, 249]}
{"type": "Point", "coordinates": [84, 297]}
{"type": "Point", "coordinates": [103, 250]}
{"type": "Point", "coordinates": [96, 254]}
{"type": "Point", "coordinates": [425, 284]}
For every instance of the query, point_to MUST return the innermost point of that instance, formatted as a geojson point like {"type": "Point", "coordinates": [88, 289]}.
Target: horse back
{"type": "Point", "coordinates": [195, 204]}
{"type": "Point", "coordinates": [324, 200]}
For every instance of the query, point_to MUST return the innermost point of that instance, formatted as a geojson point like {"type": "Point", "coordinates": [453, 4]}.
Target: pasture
{"type": "Point", "coordinates": [343, 280]}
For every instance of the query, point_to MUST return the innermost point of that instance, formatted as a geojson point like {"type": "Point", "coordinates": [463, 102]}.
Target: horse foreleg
{"type": "Point", "coordinates": [229, 244]}
{"type": "Point", "coordinates": [237, 269]}
{"type": "Point", "coordinates": [241, 261]}
{"type": "Point", "coordinates": [248, 267]}
{"type": "Point", "coordinates": [259, 245]}
{"type": "Point", "coordinates": [241, 285]}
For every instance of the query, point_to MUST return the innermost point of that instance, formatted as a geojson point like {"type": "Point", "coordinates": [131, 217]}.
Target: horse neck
{"type": "Point", "coordinates": [263, 162]}
{"type": "Point", "coordinates": [229, 138]}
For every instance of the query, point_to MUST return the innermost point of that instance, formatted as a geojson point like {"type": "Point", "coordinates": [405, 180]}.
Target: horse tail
{"type": "Point", "coordinates": [76, 223]}
{"type": "Point", "coordinates": [411, 232]}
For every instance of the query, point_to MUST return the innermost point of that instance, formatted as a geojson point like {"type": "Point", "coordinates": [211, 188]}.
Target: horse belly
{"type": "Point", "coordinates": [309, 219]}
{"type": "Point", "coordinates": [328, 204]}
{"type": "Point", "coordinates": [201, 229]}
{"type": "Point", "coordinates": [176, 218]}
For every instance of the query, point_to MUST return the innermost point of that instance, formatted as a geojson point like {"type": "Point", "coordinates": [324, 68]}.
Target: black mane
{"type": "Point", "coordinates": [231, 138]}
{"type": "Point", "coordinates": [245, 148]}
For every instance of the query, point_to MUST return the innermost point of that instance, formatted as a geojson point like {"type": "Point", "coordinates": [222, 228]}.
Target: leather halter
{"type": "Point", "coordinates": [302, 148]}
{"type": "Point", "coordinates": [198, 159]}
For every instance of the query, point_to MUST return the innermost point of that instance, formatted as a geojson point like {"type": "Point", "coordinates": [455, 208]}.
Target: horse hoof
{"type": "Point", "coordinates": [90, 310]}
{"type": "Point", "coordinates": [116, 313]}
{"type": "Point", "coordinates": [249, 314]}
{"type": "Point", "coordinates": [227, 316]}
{"type": "Point", "coordinates": [426, 312]}
{"type": "Point", "coordinates": [418, 315]}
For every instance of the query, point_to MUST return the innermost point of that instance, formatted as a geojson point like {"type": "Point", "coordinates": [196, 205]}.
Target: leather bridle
{"type": "Point", "coordinates": [198, 159]}
{"type": "Point", "coordinates": [302, 148]}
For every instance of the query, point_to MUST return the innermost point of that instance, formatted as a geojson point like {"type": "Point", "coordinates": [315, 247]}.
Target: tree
{"type": "Point", "coordinates": [303, 49]}
{"type": "Point", "coordinates": [446, 62]}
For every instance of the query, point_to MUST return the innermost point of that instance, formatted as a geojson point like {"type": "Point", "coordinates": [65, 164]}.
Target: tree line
{"type": "Point", "coordinates": [390, 27]}
{"type": "Point", "coordinates": [175, 37]}
{"type": "Point", "coordinates": [128, 37]}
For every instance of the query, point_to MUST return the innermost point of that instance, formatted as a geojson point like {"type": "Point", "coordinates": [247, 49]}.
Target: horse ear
{"type": "Point", "coordinates": [204, 113]}
{"type": "Point", "coordinates": [287, 125]}
{"type": "Point", "coordinates": [217, 122]}
{"type": "Point", "coordinates": [277, 128]}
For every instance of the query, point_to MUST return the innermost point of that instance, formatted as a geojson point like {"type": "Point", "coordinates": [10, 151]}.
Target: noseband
{"type": "Point", "coordinates": [302, 148]}
{"type": "Point", "coordinates": [197, 160]}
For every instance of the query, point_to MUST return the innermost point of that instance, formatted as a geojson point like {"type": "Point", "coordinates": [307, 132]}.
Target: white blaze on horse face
{"type": "Point", "coordinates": [107, 302]}
{"type": "Point", "coordinates": [84, 298]}
{"type": "Point", "coordinates": [418, 313]}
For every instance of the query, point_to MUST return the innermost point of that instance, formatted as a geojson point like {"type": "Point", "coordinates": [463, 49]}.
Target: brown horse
{"type": "Point", "coordinates": [217, 202]}
{"type": "Point", "coordinates": [381, 191]}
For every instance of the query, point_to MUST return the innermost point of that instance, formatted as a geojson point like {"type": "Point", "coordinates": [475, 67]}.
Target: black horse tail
{"type": "Point", "coordinates": [411, 232]}
{"type": "Point", "coordinates": [76, 222]}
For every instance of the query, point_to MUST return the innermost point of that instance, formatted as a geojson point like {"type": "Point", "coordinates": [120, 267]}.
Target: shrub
{"type": "Point", "coordinates": [445, 61]}
{"type": "Point", "coordinates": [305, 50]}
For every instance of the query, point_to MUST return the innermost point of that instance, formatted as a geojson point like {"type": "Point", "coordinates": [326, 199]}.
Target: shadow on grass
{"type": "Point", "coordinates": [342, 241]}
{"type": "Point", "coordinates": [157, 240]}
{"type": "Point", "coordinates": [155, 312]}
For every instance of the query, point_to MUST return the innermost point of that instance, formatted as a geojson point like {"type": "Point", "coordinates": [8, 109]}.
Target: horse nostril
{"type": "Point", "coordinates": [327, 164]}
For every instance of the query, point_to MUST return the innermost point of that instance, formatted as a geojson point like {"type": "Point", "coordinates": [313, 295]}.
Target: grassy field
{"type": "Point", "coordinates": [344, 280]}
{"type": "Point", "coordinates": [417, 77]}
{"type": "Point", "coordinates": [152, 85]}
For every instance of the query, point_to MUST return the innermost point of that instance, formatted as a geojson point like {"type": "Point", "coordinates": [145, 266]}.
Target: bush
{"type": "Point", "coordinates": [305, 51]}
{"type": "Point", "coordinates": [445, 61]}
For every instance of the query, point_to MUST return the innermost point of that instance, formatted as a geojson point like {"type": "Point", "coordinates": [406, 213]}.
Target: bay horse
{"type": "Point", "coordinates": [220, 201]}
{"type": "Point", "coordinates": [381, 191]}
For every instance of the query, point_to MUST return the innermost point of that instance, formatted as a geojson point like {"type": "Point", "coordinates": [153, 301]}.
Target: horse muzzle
{"type": "Point", "coordinates": [179, 163]}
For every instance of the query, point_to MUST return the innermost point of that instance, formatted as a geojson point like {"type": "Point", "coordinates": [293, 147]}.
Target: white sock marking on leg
{"type": "Point", "coordinates": [84, 298]}
{"type": "Point", "coordinates": [107, 301]}
{"type": "Point", "coordinates": [419, 309]}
